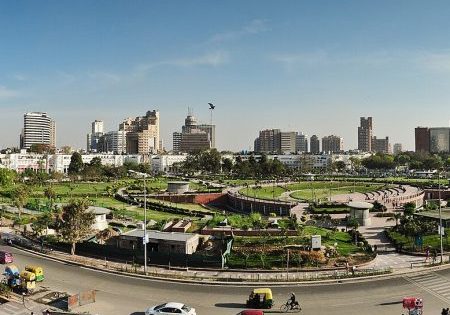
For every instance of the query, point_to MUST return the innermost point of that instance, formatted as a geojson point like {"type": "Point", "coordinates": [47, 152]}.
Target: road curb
{"type": "Point", "coordinates": [239, 284]}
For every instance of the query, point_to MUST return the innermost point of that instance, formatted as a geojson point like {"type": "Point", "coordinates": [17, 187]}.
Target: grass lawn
{"type": "Point", "coordinates": [268, 192]}
{"type": "Point", "coordinates": [267, 252]}
{"type": "Point", "coordinates": [428, 240]}
{"type": "Point", "coordinates": [307, 190]}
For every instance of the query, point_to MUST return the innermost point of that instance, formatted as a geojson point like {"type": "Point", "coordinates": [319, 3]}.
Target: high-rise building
{"type": "Point", "coordinates": [194, 137]}
{"type": "Point", "coordinates": [365, 132]}
{"type": "Point", "coordinates": [94, 137]}
{"type": "Point", "coordinates": [113, 141]}
{"type": "Point", "coordinates": [195, 141]}
{"type": "Point", "coordinates": [287, 142]}
{"type": "Point", "coordinates": [422, 137]}
{"type": "Point", "coordinates": [380, 145]}
{"type": "Point", "coordinates": [440, 140]}
{"type": "Point", "coordinates": [332, 144]}
{"type": "Point", "coordinates": [38, 128]}
{"type": "Point", "coordinates": [398, 148]}
{"type": "Point", "coordinates": [314, 144]}
{"type": "Point", "coordinates": [211, 131]}
{"type": "Point", "coordinates": [269, 141]}
{"type": "Point", "coordinates": [176, 139]}
{"type": "Point", "coordinates": [301, 144]}
{"type": "Point", "coordinates": [142, 133]}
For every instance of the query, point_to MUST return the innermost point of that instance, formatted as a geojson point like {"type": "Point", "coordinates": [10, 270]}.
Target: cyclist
{"type": "Point", "coordinates": [292, 300]}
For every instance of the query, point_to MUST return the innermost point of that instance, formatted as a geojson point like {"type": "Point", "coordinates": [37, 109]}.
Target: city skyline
{"type": "Point", "coordinates": [304, 67]}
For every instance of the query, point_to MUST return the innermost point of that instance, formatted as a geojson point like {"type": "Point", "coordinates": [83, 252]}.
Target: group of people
{"type": "Point", "coordinates": [445, 311]}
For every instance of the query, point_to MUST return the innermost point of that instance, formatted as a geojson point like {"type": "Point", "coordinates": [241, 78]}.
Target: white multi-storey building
{"type": "Point", "coordinates": [164, 163]}
{"type": "Point", "coordinates": [38, 128]}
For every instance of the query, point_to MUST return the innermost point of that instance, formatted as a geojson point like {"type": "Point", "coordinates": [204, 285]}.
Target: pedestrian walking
{"type": "Point", "coordinates": [427, 254]}
{"type": "Point", "coordinates": [434, 255]}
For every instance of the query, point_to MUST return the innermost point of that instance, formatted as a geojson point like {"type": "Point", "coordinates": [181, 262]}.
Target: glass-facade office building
{"type": "Point", "coordinates": [439, 140]}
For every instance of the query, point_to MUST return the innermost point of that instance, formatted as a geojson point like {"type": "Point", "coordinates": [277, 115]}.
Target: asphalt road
{"type": "Point", "coordinates": [120, 295]}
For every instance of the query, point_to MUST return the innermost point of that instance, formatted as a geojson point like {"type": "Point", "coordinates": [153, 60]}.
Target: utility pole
{"type": "Point", "coordinates": [287, 266]}
{"type": "Point", "coordinates": [145, 225]}
{"type": "Point", "coordinates": [441, 228]}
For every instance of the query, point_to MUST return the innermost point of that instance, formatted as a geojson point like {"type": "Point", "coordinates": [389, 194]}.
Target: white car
{"type": "Point", "coordinates": [170, 308]}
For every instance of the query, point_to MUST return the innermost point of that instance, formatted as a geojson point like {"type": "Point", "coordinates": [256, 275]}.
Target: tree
{"type": "Point", "coordinates": [75, 222]}
{"type": "Point", "coordinates": [397, 216]}
{"type": "Point", "coordinates": [409, 208]}
{"type": "Point", "coordinates": [76, 164]}
{"type": "Point", "coordinates": [7, 177]}
{"type": "Point", "coordinates": [339, 166]}
{"type": "Point", "coordinates": [50, 194]}
{"type": "Point", "coordinates": [41, 148]}
{"type": "Point", "coordinates": [20, 197]}
{"type": "Point", "coordinates": [42, 222]}
{"type": "Point", "coordinates": [355, 163]}
{"type": "Point", "coordinates": [227, 165]}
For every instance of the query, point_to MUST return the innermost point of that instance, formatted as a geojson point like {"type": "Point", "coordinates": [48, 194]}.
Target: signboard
{"type": "Point", "coordinates": [145, 239]}
{"type": "Point", "coordinates": [316, 242]}
{"type": "Point", "coordinates": [87, 297]}
{"type": "Point", "coordinates": [73, 302]}
{"type": "Point", "coordinates": [441, 230]}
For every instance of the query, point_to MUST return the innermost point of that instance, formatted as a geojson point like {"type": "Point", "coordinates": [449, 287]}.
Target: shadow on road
{"type": "Point", "coordinates": [231, 305]}
{"type": "Point", "coordinates": [138, 313]}
{"type": "Point", "coordinates": [390, 303]}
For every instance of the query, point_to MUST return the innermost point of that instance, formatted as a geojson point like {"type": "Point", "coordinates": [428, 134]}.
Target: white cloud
{"type": "Point", "coordinates": [436, 62]}
{"type": "Point", "coordinates": [254, 27]}
{"type": "Point", "coordinates": [104, 77]}
{"type": "Point", "coordinates": [212, 59]}
{"type": "Point", "coordinates": [292, 61]}
{"type": "Point", "coordinates": [20, 77]}
{"type": "Point", "coordinates": [6, 93]}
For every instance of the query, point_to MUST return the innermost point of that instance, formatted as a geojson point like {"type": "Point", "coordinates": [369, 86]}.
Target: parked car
{"type": "Point", "coordinates": [6, 257]}
{"type": "Point", "coordinates": [251, 312]}
{"type": "Point", "coordinates": [170, 308]}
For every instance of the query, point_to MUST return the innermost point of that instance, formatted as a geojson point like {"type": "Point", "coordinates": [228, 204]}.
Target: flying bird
{"type": "Point", "coordinates": [211, 106]}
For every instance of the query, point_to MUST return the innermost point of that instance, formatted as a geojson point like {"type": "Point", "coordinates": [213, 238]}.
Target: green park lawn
{"type": "Point", "coordinates": [428, 240]}
{"type": "Point", "coordinates": [309, 190]}
{"type": "Point", "coordinates": [259, 245]}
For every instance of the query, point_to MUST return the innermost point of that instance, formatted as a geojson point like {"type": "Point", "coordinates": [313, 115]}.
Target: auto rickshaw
{"type": "Point", "coordinates": [260, 298]}
{"type": "Point", "coordinates": [27, 281]}
{"type": "Point", "coordinates": [38, 272]}
{"type": "Point", "coordinates": [12, 276]}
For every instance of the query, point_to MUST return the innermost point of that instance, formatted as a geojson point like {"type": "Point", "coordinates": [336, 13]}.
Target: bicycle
{"type": "Point", "coordinates": [289, 307]}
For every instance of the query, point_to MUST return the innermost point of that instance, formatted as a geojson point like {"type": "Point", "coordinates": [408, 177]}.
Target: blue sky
{"type": "Point", "coordinates": [311, 66]}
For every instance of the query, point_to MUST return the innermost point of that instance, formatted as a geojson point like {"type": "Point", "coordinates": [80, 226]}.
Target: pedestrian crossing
{"type": "Point", "coordinates": [433, 283]}
{"type": "Point", "coordinates": [13, 308]}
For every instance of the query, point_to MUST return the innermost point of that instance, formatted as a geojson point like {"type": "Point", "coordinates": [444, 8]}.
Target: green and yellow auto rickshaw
{"type": "Point", "coordinates": [260, 298]}
{"type": "Point", "coordinates": [38, 272]}
{"type": "Point", "coordinates": [27, 281]}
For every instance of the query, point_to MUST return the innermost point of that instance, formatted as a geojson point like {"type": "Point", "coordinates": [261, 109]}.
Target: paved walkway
{"type": "Point", "coordinates": [14, 308]}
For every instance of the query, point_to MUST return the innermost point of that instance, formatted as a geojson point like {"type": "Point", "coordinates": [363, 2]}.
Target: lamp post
{"type": "Point", "coordinates": [144, 239]}
{"type": "Point", "coordinates": [441, 230]}
{"type": "Point", "coordinates": [145, 225]}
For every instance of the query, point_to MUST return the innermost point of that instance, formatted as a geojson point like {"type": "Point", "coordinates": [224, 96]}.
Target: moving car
{"type": "Point", "coordinates": [6, 258]}
{"type": "Point", "coordinates": [170, 308]}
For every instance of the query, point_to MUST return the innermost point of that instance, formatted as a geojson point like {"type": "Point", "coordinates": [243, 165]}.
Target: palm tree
{"type": "Point", "coordinates": [397, 216]}
{"type": "Point", "coordinates": [20, 197]}
{"type": "Point", "coordinates": [50, 194]}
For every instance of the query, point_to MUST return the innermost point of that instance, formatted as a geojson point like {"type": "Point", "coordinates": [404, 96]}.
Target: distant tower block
{"type": "Point", "coordinates": [359, 210]}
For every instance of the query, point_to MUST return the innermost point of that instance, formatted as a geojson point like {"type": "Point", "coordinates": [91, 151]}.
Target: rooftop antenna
{"type": "Point", "coordinates": [211, 108]}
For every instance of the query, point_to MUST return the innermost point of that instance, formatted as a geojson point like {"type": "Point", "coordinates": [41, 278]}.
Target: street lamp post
{"type": "Point", "coordinates": [441, 230]}
{"type": "Point", "coordinates": [145, 225]}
